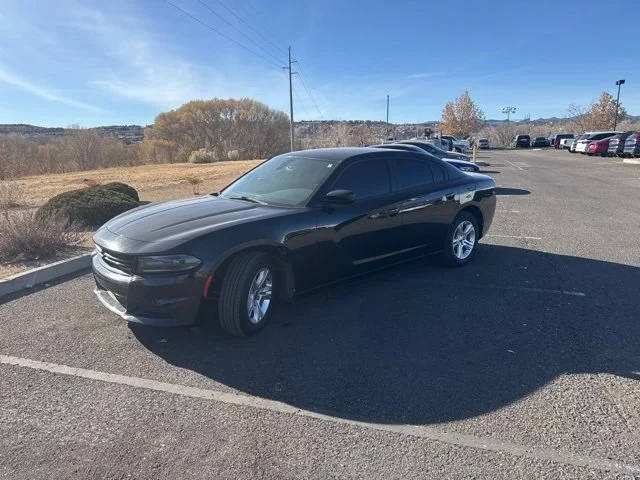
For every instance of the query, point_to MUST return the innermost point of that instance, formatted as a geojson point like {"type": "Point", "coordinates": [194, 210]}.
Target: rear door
{"type": "Point", "coordinates": [427, 203]}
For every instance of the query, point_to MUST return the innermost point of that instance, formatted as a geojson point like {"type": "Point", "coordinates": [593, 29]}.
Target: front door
{"type": "Point", "coordinates": [363, 234]}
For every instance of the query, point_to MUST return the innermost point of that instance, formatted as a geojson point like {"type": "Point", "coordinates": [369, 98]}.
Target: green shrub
{"type": "Point", "coordinates": [88, 206]}
{"type": "Point", "coordinates": [202, 156]}
{"type": "Point", "coordinates": [123, 188]}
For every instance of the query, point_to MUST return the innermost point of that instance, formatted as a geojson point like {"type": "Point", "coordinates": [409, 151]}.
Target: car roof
{"type": "Point", "coordinates": [407, 147]}
{"type": "Point", "coordinates": [339, 154]}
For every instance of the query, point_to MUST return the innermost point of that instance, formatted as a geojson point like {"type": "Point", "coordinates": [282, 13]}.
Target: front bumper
{"type": "Point", "coordinates": [161, 300]}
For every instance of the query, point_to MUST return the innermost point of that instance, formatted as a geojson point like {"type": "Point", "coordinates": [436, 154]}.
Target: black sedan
{"type": "Point", "coordinates": [293, 223]}
{"type": "Point", "coordinates": [539, 142]}
{"type": "Point", "coordinates": [459, 164]}
{"type": "Point", "coordinates": [436, 151]}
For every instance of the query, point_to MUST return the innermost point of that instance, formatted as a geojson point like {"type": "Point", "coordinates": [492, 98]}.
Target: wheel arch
{"type": "Point", "coordinates": [477, 213]}
{"type": "Point", "coordinates": [283, 268]}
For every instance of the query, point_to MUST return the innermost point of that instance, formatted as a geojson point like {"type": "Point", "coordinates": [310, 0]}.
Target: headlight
{"type": "Point", "coordinates": [167, 263]}
{"type": "Point", "coordinates": [467, 169]}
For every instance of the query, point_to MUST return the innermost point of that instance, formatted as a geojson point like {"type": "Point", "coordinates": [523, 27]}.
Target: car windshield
{"type": "Point", "coordinates": [287, 180]}
{"type": "Point", "coordinates": [429, 147]}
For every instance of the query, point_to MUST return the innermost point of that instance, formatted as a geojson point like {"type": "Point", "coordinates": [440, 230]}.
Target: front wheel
{"type": "Point", "coordinates": [461, 240]}
{"type": "Point", "coordinates": [246, 294]}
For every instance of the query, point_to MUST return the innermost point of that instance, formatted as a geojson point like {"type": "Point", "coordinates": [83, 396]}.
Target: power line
{"type": "Point", "coordinates": [238, 30]}
{"type": "Point", "coordinates": [313, 100]}
{"type": "Point", "coordinates": [281, 50]}
{"type": "Point", "coordinates": [196, 19]}
{"type": "Point", "coordinates": [298, 98]}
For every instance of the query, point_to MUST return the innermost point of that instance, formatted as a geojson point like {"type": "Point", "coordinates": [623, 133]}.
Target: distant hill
{"type": "Point", "coordinates": [126, 133]}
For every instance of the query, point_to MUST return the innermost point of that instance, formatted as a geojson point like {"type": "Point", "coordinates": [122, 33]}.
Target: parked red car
{"type": "Point", "coordinates": [599, 147]}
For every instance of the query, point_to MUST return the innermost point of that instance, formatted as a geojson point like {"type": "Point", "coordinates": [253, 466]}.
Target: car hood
{"type": "Point", "coordinates": [169, 224]}
{"type": "Point", "coordinates": [461, 163]}
{"type": "Point", "coordinates": [456, 156]}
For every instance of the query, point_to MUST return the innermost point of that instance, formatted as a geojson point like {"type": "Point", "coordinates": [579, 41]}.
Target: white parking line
{"type": "Point", "coordinates": [508, 211]}
{"type": "Point", "coordinates": [514, 236]}
{"type": "Point", "coordinates": [513, 164]}
{"type": "Point", "coordinates": [472, 441]}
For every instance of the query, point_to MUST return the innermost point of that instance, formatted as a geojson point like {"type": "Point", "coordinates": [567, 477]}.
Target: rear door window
{"type": "Point", "coordinates": [410, 172]}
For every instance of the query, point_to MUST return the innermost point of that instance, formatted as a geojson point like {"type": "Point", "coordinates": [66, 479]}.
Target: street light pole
{"type": "Point", "coordinates": [615, 122]}
{"type": "Point", "coordinates": [508, 111]}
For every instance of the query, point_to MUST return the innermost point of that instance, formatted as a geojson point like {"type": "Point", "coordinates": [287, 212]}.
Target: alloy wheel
{"type": "Point", "coordinates": [259, 297]}
{"type": "Point", "coordinates": [464, 239]}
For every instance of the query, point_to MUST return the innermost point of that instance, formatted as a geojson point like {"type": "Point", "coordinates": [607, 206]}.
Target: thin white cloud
{"type": "Point", "coordinates": [42, 92]}
{"type": "Point", "coordinates": [424, 75]}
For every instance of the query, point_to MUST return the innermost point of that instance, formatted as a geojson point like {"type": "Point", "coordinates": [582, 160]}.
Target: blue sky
{"type": "Point", "coordinates": [122, 62]}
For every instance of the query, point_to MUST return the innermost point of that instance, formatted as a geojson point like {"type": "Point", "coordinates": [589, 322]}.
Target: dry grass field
{"type": "Point", "coordinates": [153, 182]}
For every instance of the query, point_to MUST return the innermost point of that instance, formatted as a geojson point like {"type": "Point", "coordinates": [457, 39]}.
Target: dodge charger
{"type": "Point", "coordinates": [295, 222]}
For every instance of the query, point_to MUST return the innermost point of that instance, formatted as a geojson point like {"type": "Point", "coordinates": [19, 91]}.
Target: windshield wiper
{"type": "Point", "coordinates": [247, 199]}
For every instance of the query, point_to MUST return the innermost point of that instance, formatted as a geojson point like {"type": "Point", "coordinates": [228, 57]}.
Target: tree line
{"type": "Point", "coordinates": [229, 129]}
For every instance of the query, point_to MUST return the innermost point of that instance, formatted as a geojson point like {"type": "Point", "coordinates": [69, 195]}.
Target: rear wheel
{"type": "Point", "coordinates": [461, 240]}
{"type": "Point", "coordinates": [246, 294]}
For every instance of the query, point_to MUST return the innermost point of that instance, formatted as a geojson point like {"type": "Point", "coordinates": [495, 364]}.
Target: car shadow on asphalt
{"type": "Point", "coordinates": [423, 344]}
{"type": "Point", "coordinates": [511, 191]}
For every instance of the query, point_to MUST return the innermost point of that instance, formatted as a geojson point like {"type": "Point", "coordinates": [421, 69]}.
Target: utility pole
{"type": "Point", "coordinates": [615, 122]}
{"type": "Point", "coordinates": [290, 98]}
{"type": "Point", "coordinates": [387, 116]}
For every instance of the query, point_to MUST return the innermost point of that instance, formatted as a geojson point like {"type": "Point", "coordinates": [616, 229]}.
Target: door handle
{"type": "Point", "coordinates": [414, 206]}
{"type": "Point", "coordinates": [392, 212]}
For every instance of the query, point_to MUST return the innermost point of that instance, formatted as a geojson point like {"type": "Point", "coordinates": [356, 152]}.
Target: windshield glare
{"type": "Point", "coordinates": [288, 180]}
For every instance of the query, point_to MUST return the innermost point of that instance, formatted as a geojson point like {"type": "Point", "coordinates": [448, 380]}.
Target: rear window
{"type": "Point", "coordinates": [523, 137]}
{"type": "Point", "coordinates": [600, 136]}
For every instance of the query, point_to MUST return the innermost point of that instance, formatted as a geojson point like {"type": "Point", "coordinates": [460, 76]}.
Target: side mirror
{"type": "Point", "coordinates": [340, 197]}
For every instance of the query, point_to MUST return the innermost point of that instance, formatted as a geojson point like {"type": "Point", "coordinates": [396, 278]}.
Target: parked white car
{"type": "Point", "coordinates": [459, 145]}
{"type": "Point", "coordinates": [483, 143]}
{"type": "Point", "coordinates": [565, 143]}
{"type": "Point", "coordinates": [583, 142]}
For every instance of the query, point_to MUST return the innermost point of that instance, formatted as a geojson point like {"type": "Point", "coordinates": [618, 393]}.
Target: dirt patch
{"type": "Point", "coordinates": [153, 182]}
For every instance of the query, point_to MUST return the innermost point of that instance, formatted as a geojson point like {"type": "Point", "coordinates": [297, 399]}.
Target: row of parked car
{"type": "Point", "coordinates": [606, 144]}
{"type": "Point", "coordinates": [524, 141]}
{"type": "Point", "coordinates": [435, 149]}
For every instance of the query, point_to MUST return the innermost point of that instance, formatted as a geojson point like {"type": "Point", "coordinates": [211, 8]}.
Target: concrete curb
{"type": "Point", "coordinates": [635, 161]}
{"type": "Point", "coordinates": [46, 273]}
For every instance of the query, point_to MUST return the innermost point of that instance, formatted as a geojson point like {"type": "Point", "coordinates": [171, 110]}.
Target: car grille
{"type": "Point", "coordinates": [119, 261]}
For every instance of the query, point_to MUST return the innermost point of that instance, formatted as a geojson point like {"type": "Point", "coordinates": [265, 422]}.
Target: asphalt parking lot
{"type": "Point", "coordinates": [523, 364]}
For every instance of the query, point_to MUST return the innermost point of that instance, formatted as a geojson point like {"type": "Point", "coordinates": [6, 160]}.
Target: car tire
{"type": "Point", "coordinates": [453, 253]}
{"type": "Point", "coordinates": [241, 283]}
